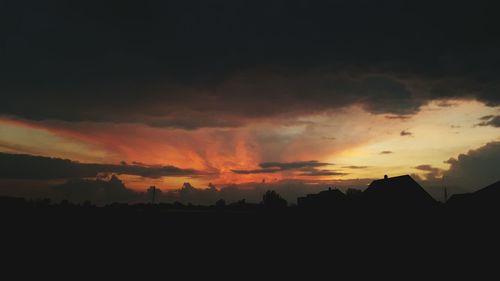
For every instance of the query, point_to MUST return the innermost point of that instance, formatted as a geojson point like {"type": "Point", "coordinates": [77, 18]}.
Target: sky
{"type": "Point", "coordinates": [247, 93]}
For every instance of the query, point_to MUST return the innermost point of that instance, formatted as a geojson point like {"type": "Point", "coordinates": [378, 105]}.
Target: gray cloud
{"type": "Point", "coordinates": [317, 172]}
{"type": "Point", "coordinates": [274, 167]}
{"type": "Point", "coordinates": [384, 95]}
{"type": "Point", "coordinates": [474, 169]}
{"type": "Point", "coordinates": [433, 173]}
{"type": "Point", "coordinates": [490, 120]}
{"type": "Point", "coordinates": [445, 103]}
{"type": "Point", "coordinates": [257, 171]}
{"type": "Point", "coordinates": [386, 152]}
{"type": "Point", "coordinates": [398, 117]}
{"type": "Point", "coordinates": [355, 167]}
{"type": "Point", "coordinates": [98, 191]}
{"type": "Point", "coordinates": [20, 166]}
{"type": "Point", "coordinates": [405, 133]}
{"type": "Point", "coordinates": [427, 168]}
{"type": "Point", "coordinates": [487, 117]}
{"type": "Point", "coordinates": [235, 101]}
{"type": "Point", "coordinates": [294, 165]}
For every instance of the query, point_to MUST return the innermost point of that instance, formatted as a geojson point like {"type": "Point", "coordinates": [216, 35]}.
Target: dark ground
{"type": "Point", "coordinates": [214, 241]}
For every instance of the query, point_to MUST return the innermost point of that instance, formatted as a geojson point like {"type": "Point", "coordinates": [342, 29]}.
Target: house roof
{"type": "Point", "coordinates": [401, 189]}
{"type": "Point", "coordinates": [457, 198]}
{"type": "Point", "coordinates": [488, 196]}
{"type": "Point", "coordinates": [490, 190]}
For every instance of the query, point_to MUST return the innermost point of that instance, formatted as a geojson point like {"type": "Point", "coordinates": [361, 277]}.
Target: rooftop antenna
{"type": "Point", "coordinates": [445, 191]}
{"type": "Point", "coordinates": [152, 189]}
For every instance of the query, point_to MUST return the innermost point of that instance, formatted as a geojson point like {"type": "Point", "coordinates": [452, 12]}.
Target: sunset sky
{"type": "Point", "coordinates": [241, 92]}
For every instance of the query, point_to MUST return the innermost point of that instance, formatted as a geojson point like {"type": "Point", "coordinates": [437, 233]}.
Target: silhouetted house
{"type": "Point", "coordinates": [489, 194]}
{"type": "Point", "coordinates": [457, 199]}
{"type": "Point", "coordinates": [401, 191]}
{"type": "Point", "coordinates": [328, 199]}
{"type": "Point", "coordinates": [488, 197]}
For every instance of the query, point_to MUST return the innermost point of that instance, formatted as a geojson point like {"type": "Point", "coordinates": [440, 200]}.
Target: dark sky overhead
{"type": "Point", "coordinates": [228, 61]}
{"type": "Point", "coordinates": [246, 91]}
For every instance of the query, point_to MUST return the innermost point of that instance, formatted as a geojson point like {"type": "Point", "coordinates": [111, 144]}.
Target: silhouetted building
{"type": "Point", "coordinates": [328, 199]}
{"type": "Point", "coordinates": [488, 197]}
{"type": "Point", "coordinates": [401, 191]}
{"type": "Point", "coordinates": [458, 199]}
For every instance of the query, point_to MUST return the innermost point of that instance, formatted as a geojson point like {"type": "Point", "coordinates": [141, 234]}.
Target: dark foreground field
{"type": "Point", "coordinates": [357, 243]}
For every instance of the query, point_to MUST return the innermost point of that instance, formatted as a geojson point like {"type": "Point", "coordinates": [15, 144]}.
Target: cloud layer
{"type": "Point", "coordinates": [18, 166]}
{"type": "Point", "coordinates": [490, 120]}
{"type": "Point", "coordinates": [474, 169]}
{"type": "Point", "coordinates": [305, 168]}
{"type": "Point", "coordinates": [190, 64]}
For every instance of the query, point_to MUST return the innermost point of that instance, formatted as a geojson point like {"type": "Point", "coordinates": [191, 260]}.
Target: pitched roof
{"type": "Point", "coordinates": [487, 197]}
{"type": "Point", "coordinates": [490, 190]}
{"type": "Point", "coordinates": [400, 190]}
{"type": "Point", "coordinates": [457, 199]}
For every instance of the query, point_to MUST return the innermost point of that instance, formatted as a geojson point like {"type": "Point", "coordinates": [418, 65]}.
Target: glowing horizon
{"type": "Point", "coordinates": [351, 139]}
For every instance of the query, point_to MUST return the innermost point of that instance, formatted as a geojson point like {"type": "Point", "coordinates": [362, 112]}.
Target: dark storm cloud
{"type": "Point", "coordinates": [20, 166]}
{"type": "Point", "coordinates": [275, 167]}
{"type": "Point", "coordinates": [191, 64]}
{"type": "Point", "coordinates": [490, 120]}
{"type": "Point", "coordinates": [474, 169]}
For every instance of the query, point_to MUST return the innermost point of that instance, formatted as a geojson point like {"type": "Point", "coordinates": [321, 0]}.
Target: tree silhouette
{"type": "Point", "coordinates": [272, 200]}
{"type": "Point", "coordinates": [221, 203]}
